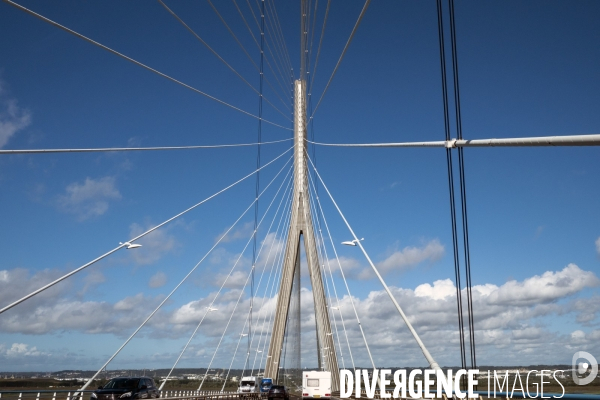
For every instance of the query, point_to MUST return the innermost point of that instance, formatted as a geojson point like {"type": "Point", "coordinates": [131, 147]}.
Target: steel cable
{"type": "Point", "coordinates": [325, 258]}
{"type": "Point", "coordinates": [319, 47]}
{"type": "Point", "coordinates": [186, 26]}
{"type": "Point", "coordinates": [432, 363]}
{"type": "Point", "coordinates": [160, 305]}
{"type": "Point", "coordinates": [463, 190]}
{"type": "Point", "coordinates": [8, 307]}
{"type": "Point", "coordinates": [244, 49]}
{"type": "Point", "coordinates": [250, 274]}
{"type": "Point", "coordinates": [230, 272]}
{"type": "Point", "coordinates": [347, 287]}
{"type": "Point", "coordinates": [110, 149]}
{"type": "Point", "coordinates": [337, 65]}
{"type": "Point", "coordinates": [20, 7]}
{"type": "Point", "coordinates": [450, 173]}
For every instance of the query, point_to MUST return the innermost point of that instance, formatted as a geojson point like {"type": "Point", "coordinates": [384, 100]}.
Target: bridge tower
{"type": "Point", "coordinates": [301, 227]}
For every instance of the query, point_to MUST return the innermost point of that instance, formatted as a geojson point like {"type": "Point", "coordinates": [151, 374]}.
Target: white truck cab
{"type": "Point", "coordinates": [249, 384]}
{"type": "Point", "coordinates": [316, 384]}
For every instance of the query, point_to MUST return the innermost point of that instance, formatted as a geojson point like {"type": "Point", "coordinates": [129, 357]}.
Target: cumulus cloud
{"type": "Point", "coordinates": [12, 117]}
{"type": "Point", "coordinates": [60, 309]}
{"type": "Point", "coordinates": [546, 288]}
{"type": "Point", "coordinates": [508, 322]}
{"type": "Point", "coordinates": [90, 198]}
{"type": "Point", "coordinates": [440, 290]}
{"type": "Point", "coordinates": [91, 317]}
{"type": "Point", "coordinates": [400, 260]}
{"type": "Point", "coordinates": [22, 350]}
{"type": "Point", "coordinates": [154, 245]}
{"type": "Point", "coordinates": [270, 251]}
{"type": "Point", "coordinates": [510, 328]}
{"type": "Point", "coordinates": [158, 280]}
{"type": "Point", "coordinates": [233, 268]}
{"type": "Point", "coordinates": [237, 279]}
{"type": "Point", "coordinates": [93, 278]}
{"type": "Point", "coordinates": [506, 331]}
{"type": "Point", "coordinates": [411, 256]}
{"type": "Point", "coordinates": [598, 246]}
{"type": "Point", "coordinates": [17, 282]}
{"type": "Point", "coordinates": [348, 264]}
{"type": "Point", "coordinates": [242, 232]}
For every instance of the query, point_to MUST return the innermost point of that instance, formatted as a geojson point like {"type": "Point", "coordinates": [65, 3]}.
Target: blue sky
{"type": "Point", "coordinates": [526, 69]}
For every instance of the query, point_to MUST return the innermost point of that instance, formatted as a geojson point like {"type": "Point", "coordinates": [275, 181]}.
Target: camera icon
{"type": "Point", "coordinates": [581, 367]}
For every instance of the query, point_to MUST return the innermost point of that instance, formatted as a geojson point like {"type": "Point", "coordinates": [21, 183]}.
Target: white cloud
{"type": "Point", "coordinates": [158, 280]}
{"type": "Point", "coordinates": [236, 279]}
{"type": "Point", "coordinates": [598, 246]}
{"type": "Point", "coordinates": [16, 283]}
{"type": "Point", "coordinates": [22, 349]}
{"type": "Point", "coordinates": [235, 267]}
{"type": "Point", "coordinates": [270, 251]}
{"type": "Point", "coordinates": [546, 288]}
{"type": "Point", "coordinates": [12, 117]}
{"type": "Point", "coordinates": [578, 336]}
{"type": "Point", "coordinates": [91, 317]}
{"type": "Point", "coordinates": [130, 303]}
{"type": "Point", "coordinates": [508, 330]}
{"type": "Point", "coordinates": [411, 256]}
{"type": "Point", "coordinates": [92, 279]}
{"type": "Point", "coordinates": [439, 291]}
{"type": "Point", "coordinates": [406, 258]}
{"type": "Point", "coordinates": [587, 310]}
{"type": "Point", "coordinates": [505, 332]}
{"type": "Point", "coordinates": [90, 198]}
{"type": "Point", "coordinates": [3, 276]}
{"type": "Point", "coordinates": [154, 245]}
{"type": "Point", "coordinates": [243, 232]}
{"type": "Point", "coordinates": [348, 264]}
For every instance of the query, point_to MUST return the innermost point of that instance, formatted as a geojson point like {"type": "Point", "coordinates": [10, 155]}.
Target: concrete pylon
{"type": "Point", "coordinates": [301, 225]}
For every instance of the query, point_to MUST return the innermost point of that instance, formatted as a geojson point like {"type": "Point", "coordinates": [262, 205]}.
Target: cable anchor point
{"type": "Point", "coordinates": [450, 144]}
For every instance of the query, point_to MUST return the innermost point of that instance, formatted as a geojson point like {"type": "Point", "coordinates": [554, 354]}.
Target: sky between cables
{"type": "Point", "coordinates": [12, 3]}
{"type": "Point", "coordinates": [135, 238]}
{"type": "Point", "coordinates": [181, 282]}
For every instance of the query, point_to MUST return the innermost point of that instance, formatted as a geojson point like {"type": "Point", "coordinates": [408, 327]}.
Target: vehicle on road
{"type": "Point", "coordinates": [278, 392]}
{"type": "Point", "coordinates": [316, 384]}
{"type": "Point", "coordinates": [126, 388]}
{"type": "Point", "coordinates": [249, 384]}
{"type": "Point", "coordinates": [266, 384]}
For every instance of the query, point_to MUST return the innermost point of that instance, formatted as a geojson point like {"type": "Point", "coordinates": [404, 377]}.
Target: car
{"type": "Point", "coordinates": [126, 388]}
{"type": "Point", "coordinates": [278, 392]}
{"type": "Point", "coordinates": [265, 385]}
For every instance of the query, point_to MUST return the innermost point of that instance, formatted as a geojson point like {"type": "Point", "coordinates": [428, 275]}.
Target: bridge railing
{"type": "Point", "coordinates": [164, 394]}
{"type": "Point", "coordinates": [205, 395]}
{"type": "Point", "coordinates": [44, 394]}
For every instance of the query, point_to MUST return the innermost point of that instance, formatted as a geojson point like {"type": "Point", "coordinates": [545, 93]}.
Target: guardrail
{"type": "Point", "coordinates": [164, 394]}
{"type": "Point", "coordinates": [218, 395]}
{"type": "Point", "coordinates": [204, 394]}
{"type": "Point", "coordinates": [44, 394]}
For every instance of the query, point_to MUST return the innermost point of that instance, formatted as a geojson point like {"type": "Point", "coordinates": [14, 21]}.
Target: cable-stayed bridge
{"type": "Point", "coordinates": [269, 342]}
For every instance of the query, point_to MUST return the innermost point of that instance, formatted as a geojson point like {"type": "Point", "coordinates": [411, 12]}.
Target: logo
{"type": "Point", "coordinates": [580, 368]}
